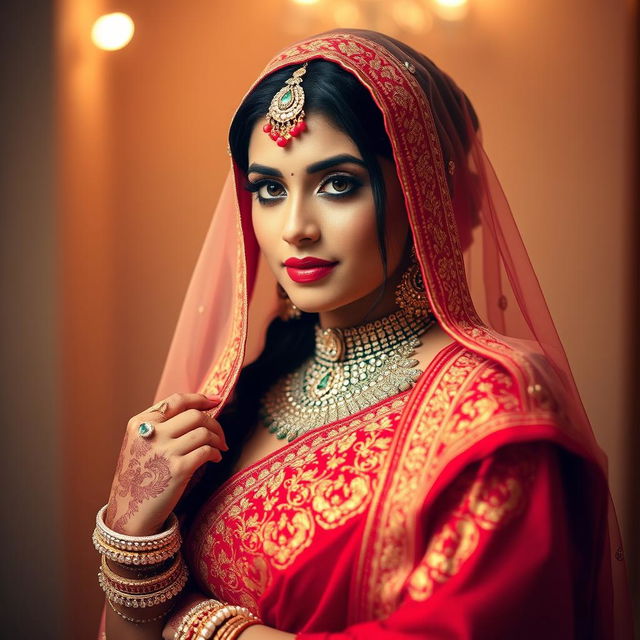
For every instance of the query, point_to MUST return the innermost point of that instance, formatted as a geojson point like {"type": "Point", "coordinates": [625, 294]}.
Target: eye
{"type": "Point", "coordinates": [266, 190]}
{"type": "Point", "coordinates": [269, 190]}
{"type": "Point", "coordinates": [340, 185]}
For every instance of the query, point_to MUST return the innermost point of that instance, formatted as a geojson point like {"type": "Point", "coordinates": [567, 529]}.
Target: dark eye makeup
{"type": "Point", "coordinates": [335, 185]}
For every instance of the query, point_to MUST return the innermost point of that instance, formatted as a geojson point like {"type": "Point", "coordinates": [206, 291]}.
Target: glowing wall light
{"type": "Point", "coordinates": [305, 1]}
{"type": "Point", "coordinates": [112, 31]}
{"type": "Point", "coordinates": [451, 9]}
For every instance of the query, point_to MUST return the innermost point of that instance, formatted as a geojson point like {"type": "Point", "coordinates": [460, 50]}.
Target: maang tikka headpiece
{"type": "Point", "coordinates": [285, 118]}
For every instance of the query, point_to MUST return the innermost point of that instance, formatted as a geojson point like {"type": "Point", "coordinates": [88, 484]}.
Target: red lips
{"type": "Point", "coordinates": [308, 269]}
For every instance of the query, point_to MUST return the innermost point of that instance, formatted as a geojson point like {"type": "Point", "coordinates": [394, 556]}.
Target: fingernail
{"type": "Point", "coordinates": [214, 398]}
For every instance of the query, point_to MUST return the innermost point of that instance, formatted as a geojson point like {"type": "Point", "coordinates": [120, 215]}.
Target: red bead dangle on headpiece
{"type": "Point", "coordinates": [285, 118]}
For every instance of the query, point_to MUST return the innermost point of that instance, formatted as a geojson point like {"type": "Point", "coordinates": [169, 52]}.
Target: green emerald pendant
{"type": "Point", "coordinates": [324, 381]}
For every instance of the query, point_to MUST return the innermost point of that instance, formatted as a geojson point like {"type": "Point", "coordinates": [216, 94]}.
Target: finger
{"type": "Point", "coordinates": [178, 403]}
{"type": "Point", "coordinates": [206, 453]}
{"type": "Point", "coordinates": [189, 420]}
{"type": "Point", "coordinates": [196, 438]}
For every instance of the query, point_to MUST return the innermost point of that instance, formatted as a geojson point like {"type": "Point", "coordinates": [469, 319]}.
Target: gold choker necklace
{"type": "Point", "coordinates": [351, 369]}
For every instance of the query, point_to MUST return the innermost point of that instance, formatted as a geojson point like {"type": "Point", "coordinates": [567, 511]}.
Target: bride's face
{"type": "Point", "coordinates": [314, 217]}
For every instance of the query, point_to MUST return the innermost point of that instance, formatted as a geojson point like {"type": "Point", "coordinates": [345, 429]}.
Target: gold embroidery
{"type": "Point", "coordinates": [263, 519]}
{"type": "Point", "coordinates": [288, 535]}
{"type": "Point", "coordinates": [448, 550]}
{"type": "Point", "coordinates": [471, 396]}
{"type": "Point", "coordinates": [489, 503]}
{"type": "Point", "coordinates": [350, 48]}
{"type": "Point", "coordinates": [223, 373]}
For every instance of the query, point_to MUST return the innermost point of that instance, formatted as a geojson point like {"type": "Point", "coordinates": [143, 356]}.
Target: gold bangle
{"type": "Point", "coordinates": [147, 599]}
{"type": "Point", "coordinates": [140, 620]}
{"type": "Point", "coordinates": [240, 627]}
{"type": "Point", "coordinates": [135, 557]}
{"type": "Point", "coordinates": [215, 620]}
{"type": "Point", "coordinates": [137, 543]}
{"type": "Point", "coordinates": [191, 620]}
{"type": "Point", "coordinates": [143, 585]}
{"type": "Point", "coordinates": [108, 544]}
{"type": "Point", "coordinates": [222, 633]}
{"type": "Point", "coordinates": [246, 625]}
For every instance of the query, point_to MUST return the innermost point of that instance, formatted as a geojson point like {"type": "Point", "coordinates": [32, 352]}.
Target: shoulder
{"type": "Point", "coordinates": [467, 407]}
{"type": "Point", "coordinates": [465, 390]}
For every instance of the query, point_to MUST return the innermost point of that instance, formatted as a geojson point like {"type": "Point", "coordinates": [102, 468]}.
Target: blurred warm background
{"type": "Point", "coordinates": [111, 165]}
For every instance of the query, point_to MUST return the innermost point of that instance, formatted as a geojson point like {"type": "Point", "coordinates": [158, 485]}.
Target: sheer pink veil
{"type": "Point", "coordinates": [480, 280]}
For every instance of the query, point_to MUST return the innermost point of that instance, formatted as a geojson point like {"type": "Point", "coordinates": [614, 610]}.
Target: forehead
{"type": "Point", "coordinates": [321, 140]}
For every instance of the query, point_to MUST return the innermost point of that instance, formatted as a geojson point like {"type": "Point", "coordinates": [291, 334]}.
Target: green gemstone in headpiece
{"type": "Point", "coordinates": [286, 98]}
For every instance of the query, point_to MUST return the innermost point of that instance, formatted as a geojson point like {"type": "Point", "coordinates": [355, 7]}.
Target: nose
{"type": "Point", "coordinates": [300, 225]}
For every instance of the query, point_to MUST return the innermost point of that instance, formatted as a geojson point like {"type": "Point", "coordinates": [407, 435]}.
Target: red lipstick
{"type": "Point", "coordinates": [308, 269]}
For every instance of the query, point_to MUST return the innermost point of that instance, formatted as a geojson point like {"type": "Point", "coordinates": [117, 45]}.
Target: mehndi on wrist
{"type": "Point", "coordinates": [214, 620]}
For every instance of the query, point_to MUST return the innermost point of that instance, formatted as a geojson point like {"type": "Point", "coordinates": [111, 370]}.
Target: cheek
{"type": "Point", "coordinates": [351, 229]}
{"type": "Point", "coordinates": [264, 233]}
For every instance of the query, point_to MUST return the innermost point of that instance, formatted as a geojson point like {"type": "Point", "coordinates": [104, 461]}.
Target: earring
{"type": "Point", "coordinates": [411, 295]}
{"type": "Point", "coordinates": [286, 309]}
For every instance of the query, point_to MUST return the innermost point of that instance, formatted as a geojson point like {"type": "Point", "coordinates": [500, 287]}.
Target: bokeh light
{"type": "Point", "coordinates": [451, 9]}
{"type": "Point", "coordinates": [112, 31]}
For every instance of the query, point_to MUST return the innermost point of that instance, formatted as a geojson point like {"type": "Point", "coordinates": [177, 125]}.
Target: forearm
{"type": "Point", "coordinates": [117, 628]}
{"type": "Point", "coordinates": [149, 620]}
{"type": "Point", "coordinates": [261, 632]}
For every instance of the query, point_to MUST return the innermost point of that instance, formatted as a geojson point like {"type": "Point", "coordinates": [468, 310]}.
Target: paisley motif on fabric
{"type": "Point", "coordinates": [487, 503]}
{"type": "Point", "coordinates": [263, 519]}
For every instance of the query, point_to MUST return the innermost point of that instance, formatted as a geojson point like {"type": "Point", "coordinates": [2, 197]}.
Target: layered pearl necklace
{"type": "Point", "coordinates": [351, 369]}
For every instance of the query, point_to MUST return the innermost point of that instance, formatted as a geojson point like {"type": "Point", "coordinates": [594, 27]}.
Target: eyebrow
{"type": "Point", "coordinates": [267, 171]}
{"type": "Point", "coordinates": [321, 165]}
{"type": "Point", "coordinates": [342, 158]}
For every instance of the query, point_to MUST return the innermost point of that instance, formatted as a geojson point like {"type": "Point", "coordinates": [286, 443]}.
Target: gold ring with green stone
{"type": "Point", "coordinates": [145, 429]}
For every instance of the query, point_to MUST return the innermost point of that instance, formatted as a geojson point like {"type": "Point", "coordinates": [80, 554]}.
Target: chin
{"type": "Point", "coordinates": [325, 303]}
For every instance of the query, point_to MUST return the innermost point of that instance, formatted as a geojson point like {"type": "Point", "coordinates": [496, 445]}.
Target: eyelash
{"type": "Point", "coordinates": [353, 185]}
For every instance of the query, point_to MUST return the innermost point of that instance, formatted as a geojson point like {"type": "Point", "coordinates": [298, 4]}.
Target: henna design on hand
{"type": "Point", "coordinates": [112, 509]}
{"type": "Point", "coordinates": [141, 481]}
{"type": "Point", "coordinates": [140, 448]}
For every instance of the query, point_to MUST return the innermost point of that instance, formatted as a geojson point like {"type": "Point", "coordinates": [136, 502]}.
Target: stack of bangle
{"type": "Point", "coordinates": [214, 620]}
{"type": "Point", "coordinates": [136, 550]}
{"type": "Point", "coordinates": [146, 592]}
{"type": "Point", "coordinates": [160, 571]}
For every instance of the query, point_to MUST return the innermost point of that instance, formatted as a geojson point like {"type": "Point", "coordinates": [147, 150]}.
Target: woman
{"type": "Point", "coordinates": [380, 460]}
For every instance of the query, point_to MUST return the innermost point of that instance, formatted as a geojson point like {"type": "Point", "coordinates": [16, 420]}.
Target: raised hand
{"type": "Point", "coordinates": [158, 459]}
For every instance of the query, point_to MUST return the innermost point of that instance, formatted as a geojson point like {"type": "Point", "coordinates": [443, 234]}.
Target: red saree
{"type": "Point", "coordinates": [363, 520]}
{"type": "Point", "coordinates": [474, 505]}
